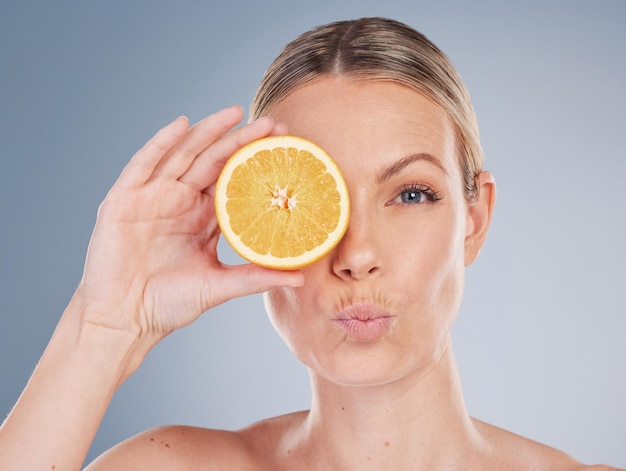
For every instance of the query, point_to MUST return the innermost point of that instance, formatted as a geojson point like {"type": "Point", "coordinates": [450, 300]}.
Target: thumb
{"type": "Point", "coordinates": [241, 280]}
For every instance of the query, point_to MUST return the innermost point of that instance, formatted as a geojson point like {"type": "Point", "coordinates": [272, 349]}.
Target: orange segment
{"type": "Point", "coordinates": [281, 202]}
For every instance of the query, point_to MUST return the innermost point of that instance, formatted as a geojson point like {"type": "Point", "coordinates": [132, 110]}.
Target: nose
{"type": "Point", "coordinates": [357, 255]}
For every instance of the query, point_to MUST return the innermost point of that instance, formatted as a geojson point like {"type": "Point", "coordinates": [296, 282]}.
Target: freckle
{"type": "Point", "coordinates": [387, 443]}
{"type": "Point", "coordinates": [167, 445]}
{"type": "Point", "coordinates": [152, 439]}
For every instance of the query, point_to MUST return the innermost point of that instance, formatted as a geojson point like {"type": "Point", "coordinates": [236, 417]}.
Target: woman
{"type": "Point", "coordinates": [371, 320]}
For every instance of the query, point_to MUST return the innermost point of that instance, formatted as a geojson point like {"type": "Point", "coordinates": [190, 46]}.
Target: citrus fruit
{"type": "Point", "coordinates": [281, 202]}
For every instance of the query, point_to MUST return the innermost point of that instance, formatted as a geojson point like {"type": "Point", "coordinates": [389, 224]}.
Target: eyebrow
{"type": "Point", "coordinates": [396, 167]}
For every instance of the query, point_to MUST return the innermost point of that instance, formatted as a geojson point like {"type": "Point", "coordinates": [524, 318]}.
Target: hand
{"type": "Point", "coordinates": [152, 263]}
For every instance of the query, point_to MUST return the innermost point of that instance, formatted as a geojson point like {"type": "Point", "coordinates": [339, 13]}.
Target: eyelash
{"type": "Point", "coordinates": [430, 195]}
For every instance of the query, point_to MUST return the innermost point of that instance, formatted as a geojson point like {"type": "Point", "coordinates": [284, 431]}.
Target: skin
{"type": "Point", "coordinates": [384, 397]}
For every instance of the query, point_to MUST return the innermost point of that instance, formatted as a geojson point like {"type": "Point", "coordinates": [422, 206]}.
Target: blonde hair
{"type": "Point", "coordinates": [378, 49]}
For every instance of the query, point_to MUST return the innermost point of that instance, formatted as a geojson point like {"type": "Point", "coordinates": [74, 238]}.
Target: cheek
{"type": "Point", "coordinates": [294, 323]}
{"type": "Point", "coordinates": [276, 302]}
{"type": "Point", "coordinates": [448, 277]}
{"type": "Point", "coordinates": [283, 308]}
{"type": "Point", "coordinates": [433, 264]}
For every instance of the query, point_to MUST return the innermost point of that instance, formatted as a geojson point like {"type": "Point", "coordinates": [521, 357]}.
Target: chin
{"type": "Point", "coordinates": [361, 364]}
{"type": "Point", "coordinates": [378, 363]}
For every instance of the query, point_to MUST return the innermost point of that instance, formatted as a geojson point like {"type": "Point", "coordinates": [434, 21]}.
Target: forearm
{"type": "Point", "coordinates": [54, 422]}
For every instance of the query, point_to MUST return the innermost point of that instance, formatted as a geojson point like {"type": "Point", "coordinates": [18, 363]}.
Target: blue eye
{"type": "Point", "coordinates": [415, 194]}
{"type": "Point", "coordinates": [412, 196]}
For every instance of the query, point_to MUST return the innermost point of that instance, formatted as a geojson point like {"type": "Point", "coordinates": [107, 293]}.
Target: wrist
{"type": "Point", "coordinates": [114, 351]}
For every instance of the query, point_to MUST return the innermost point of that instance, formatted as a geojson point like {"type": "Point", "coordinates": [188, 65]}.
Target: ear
{"type": "Point", "coordinates": [479, 213]}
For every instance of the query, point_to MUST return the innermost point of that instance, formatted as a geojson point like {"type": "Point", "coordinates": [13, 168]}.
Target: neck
{"type": "Point", "coordinates": [418, 422]}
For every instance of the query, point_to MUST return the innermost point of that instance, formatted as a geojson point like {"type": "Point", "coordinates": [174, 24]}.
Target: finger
{"type": "Point", "coordinates": [199, 137]}
{"type": "Point", "coordinates": [209, 164]}
{"type": "Point", "coordinates": [280, 129]}
{"type": "Point", "coordinates": [242, 280]}
{"type": "Point", "coordinates": [142, 165]}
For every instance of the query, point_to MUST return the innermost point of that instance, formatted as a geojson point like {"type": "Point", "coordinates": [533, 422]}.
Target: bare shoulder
{"type": "Point", "coordinates": [182, 448]}
{"type": "Point", "coordinates": [178, 448]}
{"type": "Point", "coordinates": [511, 451]}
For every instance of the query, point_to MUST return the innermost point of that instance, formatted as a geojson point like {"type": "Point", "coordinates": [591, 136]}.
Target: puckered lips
{"type": "Point", "coordinates": [364, 321]}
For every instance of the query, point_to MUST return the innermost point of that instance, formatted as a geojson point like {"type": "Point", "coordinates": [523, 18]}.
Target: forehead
{"type": "Point", "coordinates": [368, 121]}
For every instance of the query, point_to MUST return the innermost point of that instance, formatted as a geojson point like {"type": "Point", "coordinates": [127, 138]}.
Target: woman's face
{"type": "Point", "coordinates": [381, 304]}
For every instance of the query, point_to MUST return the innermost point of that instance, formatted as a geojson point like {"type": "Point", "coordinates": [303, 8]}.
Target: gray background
{"type": "Point", "coordinates": [540, 338]}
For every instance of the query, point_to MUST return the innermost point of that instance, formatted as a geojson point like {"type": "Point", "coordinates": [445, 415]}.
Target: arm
{"type": "Point", "coordinates": [151, 268]}
{"type": "Point", "coordinates": [56, 418]}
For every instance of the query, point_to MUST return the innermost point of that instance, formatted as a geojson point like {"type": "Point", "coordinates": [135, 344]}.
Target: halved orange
{"type": "Point", "coordinates": [281, 202]}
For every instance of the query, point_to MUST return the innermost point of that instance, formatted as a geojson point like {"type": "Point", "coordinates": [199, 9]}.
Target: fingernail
{"type": "Point", "coordinates": [235, 107]}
